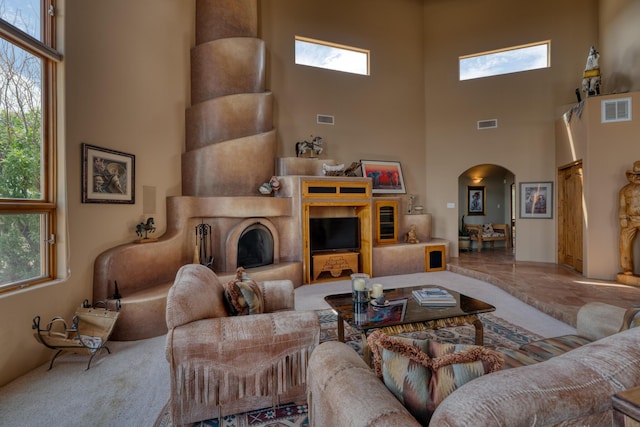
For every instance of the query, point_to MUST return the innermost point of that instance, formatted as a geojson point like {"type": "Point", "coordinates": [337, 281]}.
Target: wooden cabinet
{"type": "Point", "coordinates": [386, 221]}
{"type": "Point", "coordinates": [331, 197]}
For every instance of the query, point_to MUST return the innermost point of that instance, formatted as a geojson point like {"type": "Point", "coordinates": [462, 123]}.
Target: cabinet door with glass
{"type": "Point", "coordinates": [386, 221]}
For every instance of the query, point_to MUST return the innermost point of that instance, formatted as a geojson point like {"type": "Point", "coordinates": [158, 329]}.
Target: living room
{"type": "Point", "coordinates": [126, 75]}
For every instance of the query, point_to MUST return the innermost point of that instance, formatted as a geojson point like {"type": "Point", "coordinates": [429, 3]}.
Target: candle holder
{"type": "Point", "coordinates": [360, 312]}
{"type": "Point", "coordinates": [360, 287]}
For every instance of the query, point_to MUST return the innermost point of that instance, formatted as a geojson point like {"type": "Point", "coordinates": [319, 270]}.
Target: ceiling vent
{"type": "Point", "coordinates": [616, 110]}
{"type": "Point", "coordinates": [324, 119]}
{"type": "Point", "coordinates": [488, 124]}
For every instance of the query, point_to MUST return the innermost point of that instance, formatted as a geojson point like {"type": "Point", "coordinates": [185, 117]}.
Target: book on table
{"type": "Point", "coordinates": [434, 297]}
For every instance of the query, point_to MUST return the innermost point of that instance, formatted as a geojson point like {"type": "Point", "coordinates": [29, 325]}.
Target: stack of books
{"type": "Point", "coordinates": [434, 297]}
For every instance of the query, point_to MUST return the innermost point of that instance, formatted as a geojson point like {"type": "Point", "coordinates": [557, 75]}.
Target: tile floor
{"type": "Point", "coordinates": [553, 289]}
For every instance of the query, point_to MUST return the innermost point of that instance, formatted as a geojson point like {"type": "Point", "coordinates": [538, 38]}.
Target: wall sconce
{"type": "Point", "coordinates": [476, 180]}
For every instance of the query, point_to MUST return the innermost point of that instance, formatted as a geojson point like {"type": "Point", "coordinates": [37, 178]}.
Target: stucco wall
{"type": "Point", "coordinates": [126, 79]}
{"type": "Point", "coordinates": [377, 117]}
{"type": "Point", "coordinates": [524, 103]}
{"type": "Point", "coordinates": [607, 151]}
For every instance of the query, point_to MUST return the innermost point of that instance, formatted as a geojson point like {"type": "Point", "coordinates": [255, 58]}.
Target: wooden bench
{"type": "Point", "coordinates": [500, 233]}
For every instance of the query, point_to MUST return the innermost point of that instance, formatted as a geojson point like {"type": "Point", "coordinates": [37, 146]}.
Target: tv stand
{"type": "Point", "coordinates": [334, 262]}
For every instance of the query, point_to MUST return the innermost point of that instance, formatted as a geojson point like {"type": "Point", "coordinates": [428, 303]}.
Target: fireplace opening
{"type": "Point", "coordinates": [255, 247]}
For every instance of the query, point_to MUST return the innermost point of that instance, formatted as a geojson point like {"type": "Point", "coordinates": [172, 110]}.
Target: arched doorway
{"type": "Point", "coordinates": [486, 194]}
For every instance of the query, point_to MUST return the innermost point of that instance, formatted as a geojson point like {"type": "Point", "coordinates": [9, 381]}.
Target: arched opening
{"type": "Point", "coordinates": [486, 195]}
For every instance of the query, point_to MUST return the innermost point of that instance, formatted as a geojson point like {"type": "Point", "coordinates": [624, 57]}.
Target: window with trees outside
{"type": "Point", "coordinates": [27, 142]}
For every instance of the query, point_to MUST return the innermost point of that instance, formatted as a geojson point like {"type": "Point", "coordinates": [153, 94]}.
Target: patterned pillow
{"type": "Point", "coordinates": [487, 229]}
{"type": "Point", "coordinates": [422, 373]}
{"type": "Point", "coordinates": [243, 295]}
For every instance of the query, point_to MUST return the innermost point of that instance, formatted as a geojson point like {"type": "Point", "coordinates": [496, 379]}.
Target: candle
{"type": "Point", "coordinates": [376, 291]}
{"type": "Point", "coordinates": [358, 284]}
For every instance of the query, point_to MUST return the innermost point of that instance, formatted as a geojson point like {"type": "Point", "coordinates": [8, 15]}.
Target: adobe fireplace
{"type": "Point", "coordinates": [253, 242]}
{"type": "Point", "coordinates": [255, 247]}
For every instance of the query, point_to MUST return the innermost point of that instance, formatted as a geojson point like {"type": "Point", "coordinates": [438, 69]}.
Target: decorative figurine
{"type": "Point", "coordinates": [265, 189]}
{"type": "Point", "coordinates": [337, 170]}
{"type": "Point", "coordinates": [352, 169]}
{"type": "Point", "coordinates": [314, 147]}
{"type": "Point", "coordinates": [411, 236]}
{"type": "Point", "coordinates": [591, 75]}
{"type": "Point", "coordinates": [629, 214]}
{"type": "Point", "coordinates": [145, 228]}
{"type": "Point", "coordinates": [274, 182]}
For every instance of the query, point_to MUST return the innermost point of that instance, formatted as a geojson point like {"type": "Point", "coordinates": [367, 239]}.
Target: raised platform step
{"type": "Point", "coordinates": [404, 258]}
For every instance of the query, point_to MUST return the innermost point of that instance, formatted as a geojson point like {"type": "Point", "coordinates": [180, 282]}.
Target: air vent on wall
{"type": "Point", "coordinates": [616, 110]}
{"type": "Point", "coordinates": [488, 124]}
{"type": "Point", "coordinates": [324, 119]}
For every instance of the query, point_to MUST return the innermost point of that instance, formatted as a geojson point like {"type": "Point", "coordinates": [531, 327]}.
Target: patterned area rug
{"type": "Point", "coordinates": [497, 331]}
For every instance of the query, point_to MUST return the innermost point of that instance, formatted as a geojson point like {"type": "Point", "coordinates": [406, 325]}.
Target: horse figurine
{"type": "Point", "coordinates": [145, 228]}
{"type": "Point", "coordinates": [591, 75]}
{"type": "Point", "coordinates": [315, 146]}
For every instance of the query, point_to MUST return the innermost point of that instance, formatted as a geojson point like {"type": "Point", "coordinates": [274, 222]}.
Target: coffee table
{"type": "Point", "coordinates": [408, 316]}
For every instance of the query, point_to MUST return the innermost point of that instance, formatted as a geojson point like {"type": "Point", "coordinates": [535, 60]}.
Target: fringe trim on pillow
{"type": "Point", "coordinates": [203, 383]}
{"type": "Point", "coordinates": [378, 339]}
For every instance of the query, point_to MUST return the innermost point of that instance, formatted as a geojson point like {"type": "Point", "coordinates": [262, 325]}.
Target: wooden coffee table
{"type": "Point", "coordinates": [365, 317]}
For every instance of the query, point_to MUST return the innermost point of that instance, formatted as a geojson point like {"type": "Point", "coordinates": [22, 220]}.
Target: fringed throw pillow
{"type": "Point", "coordinates": [243, 295]}
{"type": "Point", "coordinates": [422, 373]}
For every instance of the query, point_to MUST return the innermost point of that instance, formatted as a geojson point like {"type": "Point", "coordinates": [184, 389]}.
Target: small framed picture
{"type": "Point", "coordinates": [108, 176]}
{"type": "Point", "coordinates": [386, 176]}
{"type": "Point", "coordinates": [476, 197]}
{"type": "Point", "coordinates": [536, 200]}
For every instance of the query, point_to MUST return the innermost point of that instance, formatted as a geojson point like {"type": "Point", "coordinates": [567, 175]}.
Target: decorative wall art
{"type": "Point", "coordinates": [386, 176]}
{"type": "Point", "coordinates": [108, 176]}
{"type": "Point", "coordinates": [536, 200]}
{"type": "Point", "coordinates": [476, 197]}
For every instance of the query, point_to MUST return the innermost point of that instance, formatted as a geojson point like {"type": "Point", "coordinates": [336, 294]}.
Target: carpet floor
{"type": "Point", "coordinates": [130, 386]}
{"type": "Point", "coordinates": [497, 331]}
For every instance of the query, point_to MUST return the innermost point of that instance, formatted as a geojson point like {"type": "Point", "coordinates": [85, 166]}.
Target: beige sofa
{"type": "Point", "coordinates": [222, 365]}
{"type": "Point", "coordinates": [574, 388]}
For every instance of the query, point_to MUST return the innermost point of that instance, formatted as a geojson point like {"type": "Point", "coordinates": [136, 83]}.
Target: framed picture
{"type": "Point", "coordinates": [476, 198]}
{"type": "Point", "coordinates": [386, 177]}
{"type": "Point", "coordinates": [108, 176]}
{"type": "Point", "coordinates": [536, 200]}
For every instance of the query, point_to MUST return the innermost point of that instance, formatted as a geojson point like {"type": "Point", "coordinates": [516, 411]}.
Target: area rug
{"type": "Point", "coordinates": [497, 331]}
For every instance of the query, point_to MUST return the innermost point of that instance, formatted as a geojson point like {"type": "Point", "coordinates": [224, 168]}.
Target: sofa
{"type": "Point", "coordinates": [572, 388]}
{"type": "Point", "coordinates": [222, 364]}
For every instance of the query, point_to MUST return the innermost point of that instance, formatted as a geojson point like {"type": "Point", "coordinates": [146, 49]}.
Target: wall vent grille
{"type": "Point", "coordinates": [324, 119]}
{"type": "Point", "coordinates": [616, 110]}
{"type": "Point", "coordinates": [488, 124]}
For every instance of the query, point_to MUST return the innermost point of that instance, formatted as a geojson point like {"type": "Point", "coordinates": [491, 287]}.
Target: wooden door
{"type": "Point", "coordinates": [570, 216]}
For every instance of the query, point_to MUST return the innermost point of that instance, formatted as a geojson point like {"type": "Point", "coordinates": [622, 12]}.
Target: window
{"type": "Point", "coordinates": [504, 61]}
{"type": "Point", "coordinates": [27, 141]}
{"type": "Point", "coordinates": [331, 56]}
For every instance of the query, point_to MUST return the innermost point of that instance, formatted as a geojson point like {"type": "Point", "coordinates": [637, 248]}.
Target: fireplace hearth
{"type": "Point", "coordinates": [255, 247]}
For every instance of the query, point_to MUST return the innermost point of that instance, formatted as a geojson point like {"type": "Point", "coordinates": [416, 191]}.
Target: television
{"type": "Point", "coordinates": [334, 234]}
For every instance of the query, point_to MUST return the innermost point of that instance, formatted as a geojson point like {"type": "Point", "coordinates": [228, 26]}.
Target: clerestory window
{"type": "Point", "coordinates": [27, 142]}
{"type": "Point", "coordinates": [331, 56]}
{"type": "Point", "coordinates": [514, 59]}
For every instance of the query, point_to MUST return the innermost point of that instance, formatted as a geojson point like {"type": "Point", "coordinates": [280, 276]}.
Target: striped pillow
{"type": "Point", "coordinates": [422, 373]}
{"type": "Point", "coordinates": [243, 295]}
